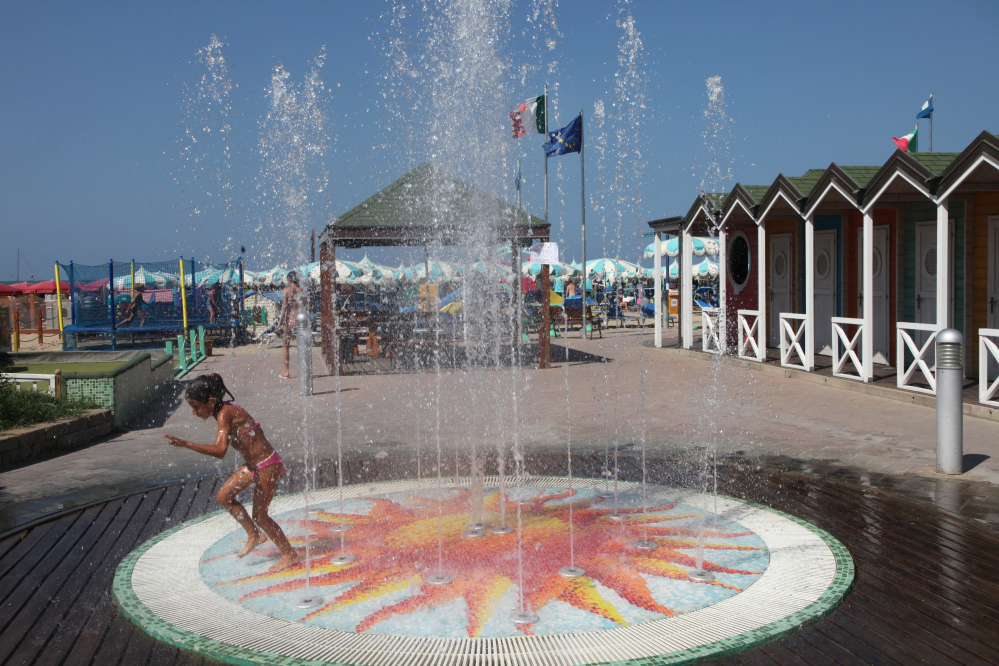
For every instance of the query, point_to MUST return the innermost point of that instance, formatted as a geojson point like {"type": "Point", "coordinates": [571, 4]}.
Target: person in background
{"type": "Point", "coordinates": [291, 299]}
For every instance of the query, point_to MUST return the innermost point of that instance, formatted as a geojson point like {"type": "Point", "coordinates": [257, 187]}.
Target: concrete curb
{"type": "Point", "coordinates": [921, 399]}
{"type": "Point", "coordinates": [42, 440]}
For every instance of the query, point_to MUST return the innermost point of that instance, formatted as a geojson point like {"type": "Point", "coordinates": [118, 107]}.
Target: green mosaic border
{"type": "Point", "coordinates": [133, 609]}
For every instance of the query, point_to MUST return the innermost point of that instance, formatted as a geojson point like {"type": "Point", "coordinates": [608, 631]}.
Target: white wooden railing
{"type": "Point", "coordinates": [987, 351]}
{"type": "Point", "coordinates": [21, 379]}
{"type": "Point", "coordinates": [905, 342]}
{"type": "Point", "coordinates": [747, 335]}
{"type": "Point", "coordinates": [710, 331]}
{"type": "Point", "coordinates": [791, 340]}
{"type": "Point", "coordinates": [852, 348]}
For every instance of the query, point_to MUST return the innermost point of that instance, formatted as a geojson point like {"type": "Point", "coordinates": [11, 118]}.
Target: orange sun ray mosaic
{"type": "Point", "coordinates": [396, 543]}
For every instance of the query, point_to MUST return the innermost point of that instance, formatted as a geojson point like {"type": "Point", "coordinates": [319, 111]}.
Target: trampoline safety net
{"type": "Point", "coordinates": [142, 304]}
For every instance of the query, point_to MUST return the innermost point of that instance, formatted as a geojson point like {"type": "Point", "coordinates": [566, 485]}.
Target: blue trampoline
{"type": "Point", "coordinates": [176, 297]}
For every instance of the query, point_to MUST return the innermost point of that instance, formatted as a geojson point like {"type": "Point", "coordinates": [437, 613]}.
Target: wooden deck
{"type": "Point", "coordinates": [927, 586]}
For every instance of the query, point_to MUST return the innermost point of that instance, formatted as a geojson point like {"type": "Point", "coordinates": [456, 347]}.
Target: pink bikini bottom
{"type": "Point", "coordinates": [272, 459]}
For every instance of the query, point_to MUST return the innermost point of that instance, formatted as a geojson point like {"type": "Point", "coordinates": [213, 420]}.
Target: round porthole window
{"type": "Point", "coordinates": [780, 265]}
{"type": "Point", "coordinates": [930, 261]}
{"type": "Point", "coordinates": [822, 265]}
{"type": "Point", "coordinates": [738, 260]}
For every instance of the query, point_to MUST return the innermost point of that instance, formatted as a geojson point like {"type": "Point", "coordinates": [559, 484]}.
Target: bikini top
{"type": "Point", "coordinates": [250, 429]}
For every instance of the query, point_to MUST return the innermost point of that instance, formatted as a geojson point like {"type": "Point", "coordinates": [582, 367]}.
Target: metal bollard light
{"type": "Point", "coordinates": [950, 402]}
{"type": "Point", "coordinates": [304, 355]}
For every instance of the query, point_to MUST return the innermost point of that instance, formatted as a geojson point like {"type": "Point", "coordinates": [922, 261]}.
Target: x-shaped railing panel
{"type": "Point", "coordinates": [987, 351]}
{"type": "Point", "coordinates": [906, 371]}
{"type": "Point", "coordinates": [790, 340]}
{"type": "Point", "coordinates": [850, 347]}
{"type": "Point", "coordinates": [711, 334]}
{"type": "Point", "coordinates": [747, 335]}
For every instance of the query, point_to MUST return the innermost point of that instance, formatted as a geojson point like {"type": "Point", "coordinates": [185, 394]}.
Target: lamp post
{"type": "Point", "coordinates": [950, 402]}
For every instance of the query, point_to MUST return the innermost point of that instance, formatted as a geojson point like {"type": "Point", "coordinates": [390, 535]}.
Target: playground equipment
{"type": "Point", "coordinates": [190, 351]}
{"type": "Point", "coordinates": [175, 300]}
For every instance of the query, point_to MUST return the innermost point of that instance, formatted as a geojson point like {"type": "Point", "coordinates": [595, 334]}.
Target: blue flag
{"type": "Point", "coordinates": [569, 139]}
{"type": "Point", "coordinates": [927, 110]}
{"type": "Point", "coordinates": [516, 181]}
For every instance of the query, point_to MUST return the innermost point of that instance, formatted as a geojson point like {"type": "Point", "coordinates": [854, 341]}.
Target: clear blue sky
{"type": "Point", "coordinates": [93, 109]}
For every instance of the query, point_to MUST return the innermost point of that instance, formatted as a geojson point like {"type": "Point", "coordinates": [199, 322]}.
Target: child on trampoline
{"type": "Point", "coordinates": [137, 307]}
{"type": "Point", "coordinates": [214, 302]}
{"type": "Point", "coordinates": [263, 464]}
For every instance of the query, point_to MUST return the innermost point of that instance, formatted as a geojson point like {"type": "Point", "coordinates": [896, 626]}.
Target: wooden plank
{"type": "Point", "coordinates": [56, 593]}
{"type": "Point", "coordinates": [40, 630]}
{"type": "Point", "coordinates": [163, 655]}
{"type": "Point", "coordinates": [17, 585]}
{"type": "Point", "coordinates": [875, 641]}
{"type": "Point", "coordinates": [96, 624]}
{"type": "Point", "coordinates": [70, 624]}
{"type": "Point", "coordinates": [114, 641]}
{"type": "Point", "coordinates": [931, 624]}
{"type": "Point", "coordinates": [10, 543]}
{"type": "Point", "coordinates": [140, 645]}
{"type": "Point", "coordinates": [894, 556]}
{"type": "Point", "coordinates": [796, 644]}
{"type": "Point", "coordinates": [204, 495]}
{"type": "Point", "coordinates": [24, 546]}
{"type": "Point", "coordinates": [886, 623]}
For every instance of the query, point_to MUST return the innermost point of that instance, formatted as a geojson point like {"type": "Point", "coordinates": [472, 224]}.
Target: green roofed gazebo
{"type": "Point", "coordinates": [424, 207]}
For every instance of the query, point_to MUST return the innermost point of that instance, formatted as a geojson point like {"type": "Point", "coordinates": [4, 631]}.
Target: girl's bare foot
{"type": "Point", "coordinates": [289, 560]}
{"type": "Point", "coordinates": [253, 543]}
{"type": "Point", "coordinates": [284, 375]}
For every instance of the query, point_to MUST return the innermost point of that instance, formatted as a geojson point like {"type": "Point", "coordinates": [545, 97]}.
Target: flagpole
{"type": "Point", "coordinates": [582, 202]}
{"type": "Point", "coordinates": [546, 154]}
{"type": "Point", "coordinates": [931, 123]}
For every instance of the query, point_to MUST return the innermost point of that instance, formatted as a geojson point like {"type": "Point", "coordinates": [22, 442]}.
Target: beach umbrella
{"type": "Point", "coordinates": [274, 277]}
{"type": "Point", "coordinates": [605, 267]}
{"type": "Point", "coordinates": [7, 290]}
{"type": "Point", "coordinates": [557, 269]}
{"type": "Point", "coordinates": [439, 270]}
{"type": "Point", "coordinates": [702, 247]}
{"type": "Point", "coordinates": [143, 278]}
{"type": "Point", "coordinates": [631, 270]}
{"type": "Point", "coordinates": [47, 287]}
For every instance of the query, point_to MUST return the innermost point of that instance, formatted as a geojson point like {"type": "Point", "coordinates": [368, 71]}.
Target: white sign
{"type": "Point", "coordinates": [544, 253]}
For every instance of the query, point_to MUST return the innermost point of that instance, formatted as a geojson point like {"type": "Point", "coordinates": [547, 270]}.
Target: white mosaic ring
{"type": "Point", "coordinates": [159, 587]}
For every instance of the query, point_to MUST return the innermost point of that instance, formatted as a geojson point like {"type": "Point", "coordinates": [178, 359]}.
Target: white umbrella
{"type": "Point", "coordinates": [142, 278]}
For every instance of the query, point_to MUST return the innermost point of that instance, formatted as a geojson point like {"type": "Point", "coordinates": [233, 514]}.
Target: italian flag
{"type": "Point", "coordinates": [909, 142]}
{"type": "Point", "coordinates": [529, 117]}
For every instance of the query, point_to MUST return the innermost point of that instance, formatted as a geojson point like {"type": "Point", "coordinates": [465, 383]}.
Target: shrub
{"type": "Point", "coordinates": [19, 409]}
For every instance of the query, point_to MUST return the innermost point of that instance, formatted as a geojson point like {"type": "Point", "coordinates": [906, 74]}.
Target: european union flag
{"type": "Point", "coordinates": [569, 139]}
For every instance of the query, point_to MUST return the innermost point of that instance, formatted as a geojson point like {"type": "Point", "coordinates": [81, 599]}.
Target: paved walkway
{"type": "Point", "coordinates": [690, 405]}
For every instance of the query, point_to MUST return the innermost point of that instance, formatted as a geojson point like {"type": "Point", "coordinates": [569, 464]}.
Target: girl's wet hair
{"type": "Point", "coordinates": [293, 278]}
{"type": "Point", "coordinates": [205, 387]}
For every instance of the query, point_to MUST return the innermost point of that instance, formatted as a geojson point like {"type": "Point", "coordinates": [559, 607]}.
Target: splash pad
{"type": "Point", "coordinates": [770, 573]}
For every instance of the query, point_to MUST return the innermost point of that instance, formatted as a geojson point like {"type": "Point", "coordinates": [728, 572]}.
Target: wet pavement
{"type": "Point", "coordinates": [690, 405]}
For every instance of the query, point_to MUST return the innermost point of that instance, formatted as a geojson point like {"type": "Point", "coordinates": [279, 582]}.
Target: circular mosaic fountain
{"type": "Point", "coordinates": [770, 573]}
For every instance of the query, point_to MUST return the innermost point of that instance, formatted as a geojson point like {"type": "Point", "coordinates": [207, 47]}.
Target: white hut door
{"type": "Point", "coordinates": [993, 302]}
{"type": "Point", "coordinates": [882, 334]}
{"type": "Point", "coordinates": [825, 290]}
{"type": "Point", "coordinates": [780, 282]}
{"type": "Point", "coordinates": [926, 280]}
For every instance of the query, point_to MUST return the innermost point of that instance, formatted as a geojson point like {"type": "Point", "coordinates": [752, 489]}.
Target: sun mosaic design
{"type": "Point", "coordinates": [394, 536]}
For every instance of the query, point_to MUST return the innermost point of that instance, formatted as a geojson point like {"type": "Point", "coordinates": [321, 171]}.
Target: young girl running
{"type": "Point", "coordinates": [263, 464]}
